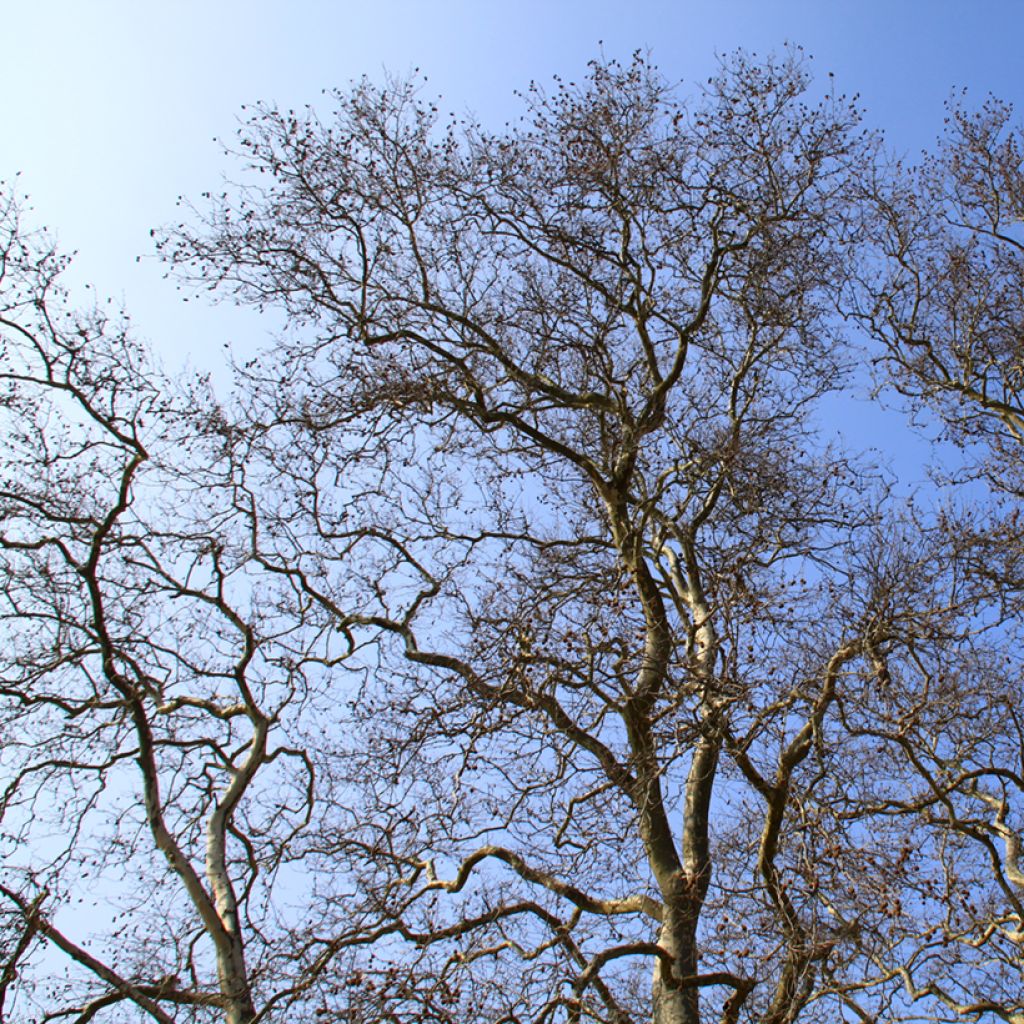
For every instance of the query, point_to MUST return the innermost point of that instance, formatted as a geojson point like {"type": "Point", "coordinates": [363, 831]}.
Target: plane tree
{"type": "Point", "coordinates": [150, 793]}
{"type": "Point", "coordinates": [512, 645]}
{"type": "Point", "coordinates": [944, 302]}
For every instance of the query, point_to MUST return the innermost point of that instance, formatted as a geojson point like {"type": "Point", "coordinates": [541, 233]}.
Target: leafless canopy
{"type": "Point", "coordinates": [513, 647]}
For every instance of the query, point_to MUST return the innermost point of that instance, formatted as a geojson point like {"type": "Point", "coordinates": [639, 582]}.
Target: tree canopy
{"type": "Point", "coordinates": [513, 644]}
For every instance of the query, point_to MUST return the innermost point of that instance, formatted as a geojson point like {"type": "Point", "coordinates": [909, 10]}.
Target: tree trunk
{"type": "Point", "coordinates": [672, 1004]}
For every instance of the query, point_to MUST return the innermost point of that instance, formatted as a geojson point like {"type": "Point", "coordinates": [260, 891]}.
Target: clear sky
{"type": "Point", "coordinates": [109, 108]}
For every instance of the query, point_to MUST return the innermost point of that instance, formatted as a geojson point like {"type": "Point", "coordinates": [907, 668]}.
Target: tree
{"type": "Point", "coordinates": [945, 303]}
{"type": "Point", "coordinates": [511, 647]}
{"type": "Point", "coordinates": [139, 697]}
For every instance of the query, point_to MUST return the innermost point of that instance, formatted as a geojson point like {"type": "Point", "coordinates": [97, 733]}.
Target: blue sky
{"type": "Point", "coordinates": [109, 109]}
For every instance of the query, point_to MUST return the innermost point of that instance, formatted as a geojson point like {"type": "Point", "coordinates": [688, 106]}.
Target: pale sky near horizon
{"type": "Point", "coordinates": [109, 108]}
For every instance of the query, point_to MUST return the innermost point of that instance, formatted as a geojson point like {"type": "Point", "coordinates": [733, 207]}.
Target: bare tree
{"type": "Point", "coordinates": [511, 647]}
{"type": "Point", "coordinates": [144, 680]}
{"type": "Point", "coordinates": [620, 317]}
{"type": "Point", "coordinates": [946, 300]}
